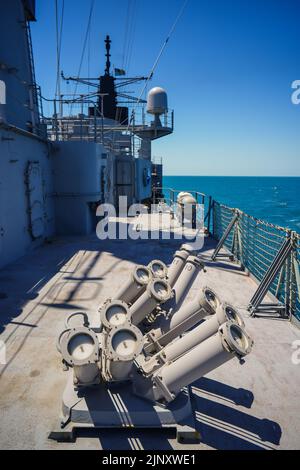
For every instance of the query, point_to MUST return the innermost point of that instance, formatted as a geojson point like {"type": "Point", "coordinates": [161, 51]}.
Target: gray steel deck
{"type": "Point", "coordinates": [254, 406]}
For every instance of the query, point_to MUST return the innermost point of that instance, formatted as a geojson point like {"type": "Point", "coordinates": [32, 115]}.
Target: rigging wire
{"type": "Point", "coordinates": [130, 45]}
{"type": "Point", "coordinates": [181, 11]}
{"type": "Point", "coordinates": [89, 57]}
{"type": "Point", "coordinates": [59, 31]}
{"type": "Point", "coordinates": [84, 47]}
{"type": "Point", "coordinates": [126, 32]}
{"type": "Point", "coordinates": [130, 35]}
{"type": "Point", "coordinates": [128, 29]}
{"type": "Point", "coordinates": [128, 40]}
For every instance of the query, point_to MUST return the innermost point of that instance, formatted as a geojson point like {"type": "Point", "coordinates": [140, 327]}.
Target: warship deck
{"type": "Point", "coordinates": [253, 406]}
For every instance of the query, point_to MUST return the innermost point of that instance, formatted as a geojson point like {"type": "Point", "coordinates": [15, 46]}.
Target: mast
{"type": "Point", "coordinates": [107, 100]}
{"type": "Point", "coordinates": [108, 55]}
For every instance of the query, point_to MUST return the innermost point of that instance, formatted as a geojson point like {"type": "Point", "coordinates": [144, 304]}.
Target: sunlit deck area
{"type": "Point", "coordinates": [253, 406]}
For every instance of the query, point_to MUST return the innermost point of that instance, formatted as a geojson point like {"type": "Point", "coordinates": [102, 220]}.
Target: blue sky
{"type": "Point", "coordinates": [228, 70]}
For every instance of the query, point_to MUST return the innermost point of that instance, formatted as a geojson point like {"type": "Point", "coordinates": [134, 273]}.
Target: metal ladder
{"type": "Point", "coordinates": [31, 62]}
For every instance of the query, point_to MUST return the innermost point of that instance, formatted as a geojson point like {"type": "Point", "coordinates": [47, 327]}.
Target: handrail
{"type": "Point", "coordinates": [254, 243]}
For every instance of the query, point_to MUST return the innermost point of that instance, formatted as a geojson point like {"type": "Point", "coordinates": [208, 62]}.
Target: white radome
{"type": "Point", "coordinates": [157, 101]}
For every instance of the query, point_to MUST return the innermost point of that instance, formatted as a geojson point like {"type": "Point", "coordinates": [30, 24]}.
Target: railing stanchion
{"type": "Point", "coordinates": [208, 212]}
{"type": "Point", "coordinates": [280, 259]}
{"type": "Point", "coordinates": [268, 252]}
{"type": "Point", "coordinates": [224, 237]}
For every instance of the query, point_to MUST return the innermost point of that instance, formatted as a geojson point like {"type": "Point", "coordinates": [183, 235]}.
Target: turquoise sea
{"type": "Point", "coordinates": [274, 199]}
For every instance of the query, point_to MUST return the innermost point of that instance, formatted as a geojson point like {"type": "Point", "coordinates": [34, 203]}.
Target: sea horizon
{"type": "Point", "coordinates": [234, 176]}
{"type": "Point", "coordinates": [274, 199]}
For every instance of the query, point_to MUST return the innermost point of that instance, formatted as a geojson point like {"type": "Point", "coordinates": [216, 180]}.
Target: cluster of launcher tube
{"type": "Point", "coordinates": [147, 336]}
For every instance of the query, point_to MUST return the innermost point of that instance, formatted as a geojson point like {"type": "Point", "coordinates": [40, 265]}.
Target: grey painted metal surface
{"type": "Point", "coordinates": [196, 336]}
{"type": "Point", "coordinates": [207, 301]}
{"type": "Point", "coordinates": [114, 313]}
{"type": "Point", "coordinates": [158, 269]}
{"type": "Point", "coordinates": [123, 344]}
{"type": "Point", "coordinates": [73, 171]}
{"type": "Point", "coordinates": [24, 212]}
{"type": "Point", "coordinates": [157, 292]}
{"type": "Point", "coordinates": [116, 352]}
{"type": "Point", "coordinates": [16, 68]}
{"type": "Point", "coordinates": [35, 197]}
{"type": "Point", "coordinates": [225, 235]}
{"type": "Point", "coordinates": [190, 314]}
{"type": "Point", "coordinates": [235, 407]}
{"type": "Point", "coordinates": [177, 266]}
{"type": "Point", "coordinates": [143, 169]}
{"type": "Point", "coordinates": [258, 257]}
{"type": "Point", "coordinates": [281, 258]}
{"type": "Point", "coordinates": [80, 350]}
{"type": "Point", "coordinates": [187, 275]}
{"type": "Point", "coordinates": [136, 284]}
{"type": "Point", "coordinates": [203, 358]}
{"type": "Point", "coordinates": [121, 409]}
{"type": "Point", "coordinates": [76, 171]}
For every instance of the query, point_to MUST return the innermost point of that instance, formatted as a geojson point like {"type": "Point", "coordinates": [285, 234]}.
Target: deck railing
{"type": "Point", "coordinates": [258, 246]}
{"type": "Point", "coordinates": [255, 244]}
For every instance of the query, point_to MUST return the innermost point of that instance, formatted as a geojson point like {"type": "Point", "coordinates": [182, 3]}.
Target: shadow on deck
{"type": "Point", "coordinates": [225, 427]}
{"type": "Point", "coordinates": [32, 286]}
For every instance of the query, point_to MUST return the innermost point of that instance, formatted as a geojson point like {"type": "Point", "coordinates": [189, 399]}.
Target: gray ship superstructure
{"type": "Point", "coordinates": [56, 170]}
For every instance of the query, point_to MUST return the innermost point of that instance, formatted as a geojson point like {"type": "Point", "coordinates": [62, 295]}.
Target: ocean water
{"type": "Point", "coordinates": [274, 199]}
